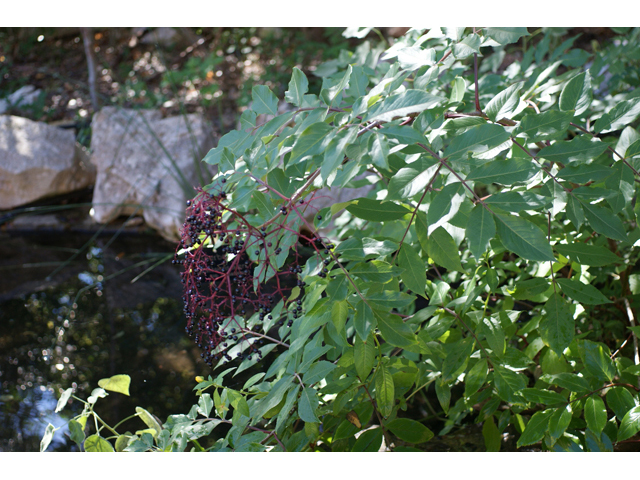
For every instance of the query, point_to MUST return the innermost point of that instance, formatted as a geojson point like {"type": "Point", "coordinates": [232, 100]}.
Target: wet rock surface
{"type": "Point", "coordinates": [39, 161]}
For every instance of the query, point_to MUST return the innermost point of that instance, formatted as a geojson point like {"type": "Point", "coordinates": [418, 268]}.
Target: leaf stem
{"type": "Point", "coordinates": [459, 318]}
{"type": "Point", "coordinates": [475, 81]}
{"type": "Point", "coordinates": [612, 150]}
{"type": "Point", "coordinates": [246, 330]}
{"type": "Point", "coordinates": [375, 409]}
{"type": "Point", "coordinates": [415, 211]}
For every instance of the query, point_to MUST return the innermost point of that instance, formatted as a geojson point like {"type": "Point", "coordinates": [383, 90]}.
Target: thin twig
{"type": "Point", "coordinates": [475, 80]}
{"type": "Point", "coordinates": [246, 330]}
{"type": "Point", "coordinates": [91, 65]}
{"type": "Point", "coordinates": [593, 135]}
{"type": "Point", "coordinates": [415, 211]}
{"type": "Point", "coordinates": [384, 430]}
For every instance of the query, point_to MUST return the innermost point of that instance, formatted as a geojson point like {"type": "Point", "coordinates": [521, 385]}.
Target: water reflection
{"type": "Point", "coordinates": [85, 323]}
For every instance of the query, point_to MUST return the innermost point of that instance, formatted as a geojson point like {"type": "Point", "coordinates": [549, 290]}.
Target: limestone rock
{"type": "Point", "coordinates": [147, 165]}
{"type": "Point", "coordinates": [38, 161]}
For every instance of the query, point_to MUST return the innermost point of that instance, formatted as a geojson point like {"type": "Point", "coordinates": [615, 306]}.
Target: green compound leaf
{"type": "Point", "coordinates": [298, 86]}
{"type": "Point", "coordinates": [620, 116]}
{"type": "Point", "coordinates": [443, 250]}
{"type": "Point", "coordinates": [575, 213]}
{"type": "Point", "coordinates": [523, 238]}
{"type": "Point", "coordinates": [371, 246]}
{"type": "Point", "coordinates": [117, 383]}
{"type": "Point", "coordinates": [505, 172]}
{"type": "Point", "coordinates": [491, 434]}
{"type": "Point", "coordinates": [385, 392]}
{"type": "Point", "coordinates": [394, 330]}
{"type": "Point", "coordinates": [364, 354]}
{"type": "Point", "coordinates": [406, 135]}
{"type": "Point", "coordinates": [536, 428]}
{"type": "Point", "coordinates": [632, 150]}
{"type": "Point", "coordinates": [467, 46]}
{"type": "Point", "coordinates": [410, 181]}
{"type": "Point", "coordinates": [334, 154]}
{"type": "Point", "coordinates": [443, 392]}
{"type": "Point", "coordinates": [318, 371]}
{"type": "Point", "coordinates": [580, 149]}
{"type": "Point", "coordinates": [409, 430]}
{"type": "Point", "coordinates": [508, 383]}
{"type": "Point", "coordinates": [414, 275]}
{"type": "Point", "coordinates": [238, 402]}
{"type": "Point", "coordinates": [364, 320]}
{"type": "Point", "coordinates": [492, 330]}
{"type": "Point", "coordinates": [480, 230]}
{"type": "Point", "coordinates": [516, 201]}
{"type": "Point", "coordinates": [330, 92]}
{"type": "Point", "coordinates": [307, 405]}
{"type": "Point", "coordinates": [506, 35]}
{"type": "Point", "coordinates": [595, 414]}
{"type": "Point", "coordinates": [457, 90]}
{"type": "Point", "coordinates": [557, 326]}
{"type": "Point", "coordinates": [620, 401]}
{"type": "Point", "coordinates": [264, 101]}
{"type": "Point", "coordinates": [545, 397]}
{"type": "Point", "coordinates": [375, 271]}
{"type": "Point", "coordinates": [592, 255]}
{"type": "Point", "coordinates": [630, 424]}
{"type": "Point", "coordinates": [570, 381]}
{"type": "Point", "coordinates": [388, 299]}
{"type": "Point", "coordinates": [504, 104]}
{"type": "Point", "coordinates": [95, 443]}
{"type": "Point", "coordinates": [585, 173]}
{"type": "Point", "coordinates": [559, 422]}
{"type": "Point", "coordinates": [377, 211]}
{"type": "Point", "coordinates": [576, 94]}
{"type": "Point", "coordinates": [205, 404]}
{"type": "Point", "coordinates": [529, 289]}
{"type": "Point", "coordinates": [368, 441]}
{"type": "Point", "coordinates": [476, 140]}
{"type": "Point", "coordinates": [581, 292]}
{"type": "Point", "coordinates": [379, 150]}
{"type": "Point", "coordinates": [339, 313]}
{"type": "Point", "coordinates": [412, 58]}
{"type": "Point", "coordinates": [475, 378]}
{"type": "Point", "coordinates": [313, 141]}
{"type": "Point", "coordinates": [597, 360]}
{"type": "Point", "coordinates": [544, 126]}
{"type": "Point", "coordinates": [401, 105]}
{"type": "Point", "coordinates": [604, 221]}
{"type": "Point", "coordinates": [457, 356]}
{"type": "Point", "coordinates": [358, 82]}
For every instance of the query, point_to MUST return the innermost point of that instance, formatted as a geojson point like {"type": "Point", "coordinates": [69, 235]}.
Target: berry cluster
{"type": "Point", "coordinates": [233, 270]}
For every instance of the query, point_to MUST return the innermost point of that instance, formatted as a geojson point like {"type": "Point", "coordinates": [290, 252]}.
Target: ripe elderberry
{"type": "Point", "coordinates": [223, 287]}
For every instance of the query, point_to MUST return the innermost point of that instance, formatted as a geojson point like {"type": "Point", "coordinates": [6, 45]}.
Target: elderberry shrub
{"type": "Point", "coordinates": [232, 273]}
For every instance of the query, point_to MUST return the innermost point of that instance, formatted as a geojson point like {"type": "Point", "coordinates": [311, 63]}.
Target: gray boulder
{"type": "Point", "coordinates": [147, 165]}
{"type": "Point", "coordinates": [38, 161]}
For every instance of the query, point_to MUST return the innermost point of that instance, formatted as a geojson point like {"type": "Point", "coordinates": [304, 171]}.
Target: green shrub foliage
{"type": "Point", "coordinates": [486, 277]}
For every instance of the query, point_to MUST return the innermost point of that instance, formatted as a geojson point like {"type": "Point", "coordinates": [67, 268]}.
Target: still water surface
{"type": "Point", "coordinates": [85, 322]}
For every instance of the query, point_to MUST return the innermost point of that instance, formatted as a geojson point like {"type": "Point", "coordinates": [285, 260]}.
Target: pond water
{"type": "Point", "coordinates": [70, 316]}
